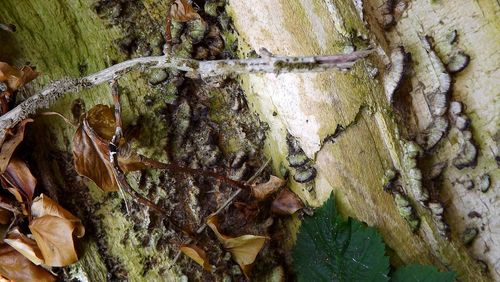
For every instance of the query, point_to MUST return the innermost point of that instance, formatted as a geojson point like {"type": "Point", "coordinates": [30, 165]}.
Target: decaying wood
{"type": "Point", "coordinates": [367, 141]}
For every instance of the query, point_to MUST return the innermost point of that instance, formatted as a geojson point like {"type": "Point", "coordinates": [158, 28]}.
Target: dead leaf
{"type": "Point", "coordinates": [53, 228]}
{"type": "Point", "coordinates": [5, 216]}
{"type": "Point", "coordinates": [16, 194]}
{"type": "Point", "coordinates": [91, 151]}
{"type": "Point", "coordinates": [264, 190]}
{"type": "Point", "coordinates": [14, 266]}
{"type": "Point", "coordinates": [198, 255]}
{"type": "Point", "coordinates": [286, 203]}
{"type": "Point", "coordinates": [10, 144]}
{"type": "Point", "coordinates": [43, 205]}
{"type": "Point", "coordinates": [15, 78]}
{"type": "Point", "coordinates": [54, 236]}
{"type": "Point", "coordinates": [244, 249]}
{"type": "Point", "coordinates": [182, 11]}
{"type": "Point", "coordinates": [19, 176]}
{"type": "Point", "coordinates": [26, 246]}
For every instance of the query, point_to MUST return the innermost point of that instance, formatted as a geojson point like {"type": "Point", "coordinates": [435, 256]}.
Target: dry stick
{"type": "Point", "coordinates": [221, 208]}
{"type": "Point", "coordinates": [66, 120]}
{"type": "Point", "coordinates": [113, 158]}
{"type": "Point", "coordinates": [168, 30]}
{"type": "Point", "coordinates": [113, 153]}
{"type": "Point", "coordinates": [113, 145]}
{"type": "Point", "coordinates": [190, 171]}
{"type": "Point", "coordinates": [8, 27]}
{"type": "Point", "coordinates": [15, 210]}
{"type": "Point", "coordinates": [51, 93]}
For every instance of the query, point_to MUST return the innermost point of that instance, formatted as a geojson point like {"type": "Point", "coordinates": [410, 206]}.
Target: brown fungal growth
{"type": "Point", "coordinates": [297, 159]}
{"type": "Point", "coordinates": [392, 184]}
{"type": "Point", "coordinates": [394, 73]}
{"type": "Point", "coordinates": [411, 172]}
{"type": "Point", "coordinates": [467, 152]}
{"type": "Point", "coordinates": [457, 62]}
{"type": "Point", "coordinates": [390, 12]}
{"type": "Point", "coordinates": [437, 212]}
{"type": "Point", "coordinates": [437, 100]}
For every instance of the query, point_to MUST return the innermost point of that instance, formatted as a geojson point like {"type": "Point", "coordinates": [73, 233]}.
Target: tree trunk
{"type": "Point", "coordinates": [342, 121]}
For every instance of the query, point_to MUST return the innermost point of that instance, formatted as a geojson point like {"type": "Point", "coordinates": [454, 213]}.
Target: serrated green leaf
{"type": "Point", "coordinates": [332, 249]}
{"type": "Point", "coordinates": [421, 273]}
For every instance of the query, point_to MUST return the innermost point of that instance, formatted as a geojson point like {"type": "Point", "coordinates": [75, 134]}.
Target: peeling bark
{"type": "Point", "coordinates": [312, 107]}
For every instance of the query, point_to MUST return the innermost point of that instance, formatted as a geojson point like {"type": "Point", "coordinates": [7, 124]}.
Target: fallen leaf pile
{"type": "Point", "coordinates": [40, 233]}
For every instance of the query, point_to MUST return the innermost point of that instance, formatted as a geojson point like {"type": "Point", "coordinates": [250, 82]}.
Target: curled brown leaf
{"type": "Point", "coordinates": [26, 246]}
{"type": "Point", "coordinates": [19, 177]}
{"type": "Point", "coordinates": [286, 203]}
{"type": "Point", "coordinates": [264, 190]}
{"type": "Point", "coordinates": [54, 236]}
{"type": "Point", "coordinates": [182, 11]}
{"type": "Point", "coordinates": [53, 228]}
{"type": "Point", "coordinates": [5, 216]}
{"type": "Point", "coordinates": [91, 151]}
{"type": "Point", "coordinates": [244, 249]}
{"type": "Point", "coordinates": [16, 267]}
{"type": "Point", "coordinates": [11, 143]}
{"type": "Point", "coordinates": [198, 255]}
{"type": "Point", "coordinates": [44, 205]}
{"type": "Point", "coordinates": [16, 78]}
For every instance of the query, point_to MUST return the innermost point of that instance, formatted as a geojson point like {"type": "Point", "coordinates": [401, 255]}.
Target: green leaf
{"type": "Point", "coordinates": [332, 249]}
{"type": "Point", "coordinates": [421, 273]}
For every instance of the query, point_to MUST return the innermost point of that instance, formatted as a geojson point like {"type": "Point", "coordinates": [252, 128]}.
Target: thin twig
{"type": "Point", "coordinates": [8, 27]}
{"type": "Point", "coordinates": [113, 154]}
{"type": "Point", "coordinates": [168, 30]}
{"type": "Point", "coordinates": [235, 194]}
{"type": "Point", "coordinates": [11, 208]}
{"type": "Point", "coordinates": [113, 158]}
{"type": "Point", "coordinates": [51, 93]}
{"type": "Point", "coordinates": [59, 115]}
{"type": "Point", "coordinates": [223, 206]}
{"type": "Point", "coordinates": [113, 145]}
{"type": "Point", "coordinates": [190, 171]}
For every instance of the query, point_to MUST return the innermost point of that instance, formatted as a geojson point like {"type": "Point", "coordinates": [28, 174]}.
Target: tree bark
{"type": "Point", "coordinates": [312, 108]}
{"type": "Point", "coordinates": [341, 120]}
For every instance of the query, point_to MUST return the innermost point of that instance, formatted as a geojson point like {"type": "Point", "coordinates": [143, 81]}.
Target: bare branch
{"type": "Point", "coordinates": [268, 64]}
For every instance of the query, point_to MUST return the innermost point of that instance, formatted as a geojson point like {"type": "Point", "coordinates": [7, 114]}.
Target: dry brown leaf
{"type": "Point", "coordinates": [182, 11]}
{"type": "Point", "coordinates": [43, 205]}
{"type": "Point", "coordinates": [16, 194]}
{"type": "Point", "coordinates": [198, 255]}
{"type": "Point", "coordinates": [14, 266]}
{"type": "Point", "coordinates": [26, 246]}
{"type": "Point", "coordinates": [54, 236]}
{"type": "Point", "coordinates": [5, 216]}
{"type": "Point", "coordinates": [91, 152]}
{"type": "Point", "coordinates": [15, 78]}
{"type": "Point", "coordinates": [286, 203]}
{"type": "Point", "coordinates": [244, 249]}
{"type": "Point", "coordinates": [53, 228]}
{"type": "Point", "coordinates": [19, 176]}
{"type": "Point", "coordinates": [10, 144]}
{"type": "Point", "coordinates": [264, 190]}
